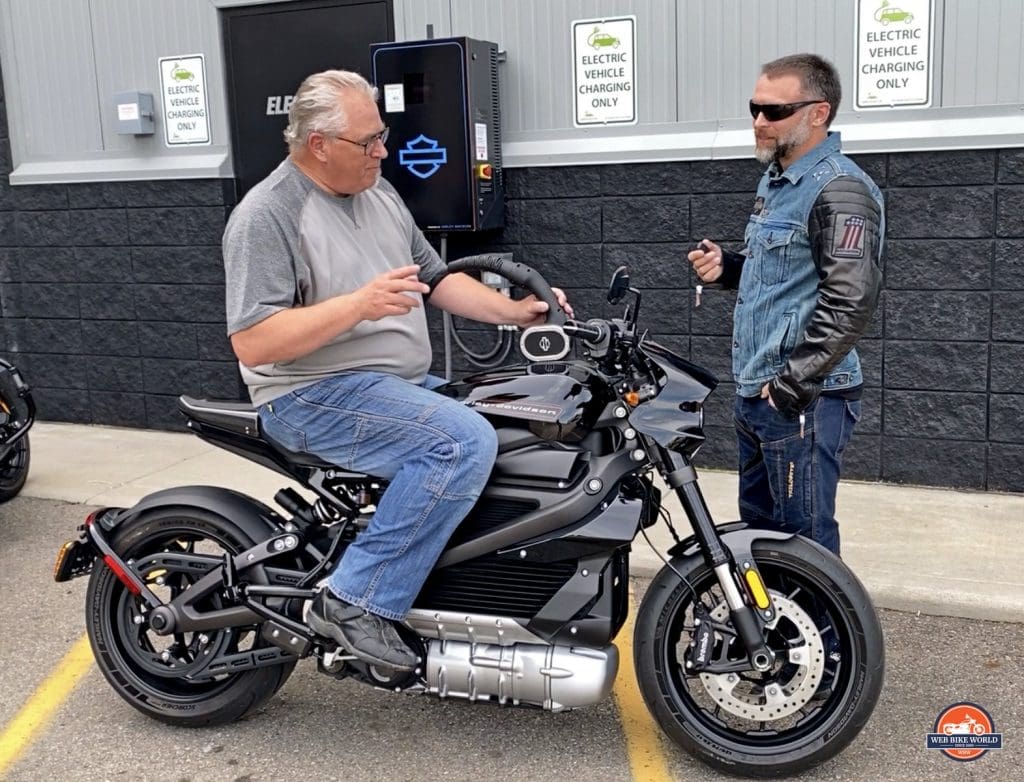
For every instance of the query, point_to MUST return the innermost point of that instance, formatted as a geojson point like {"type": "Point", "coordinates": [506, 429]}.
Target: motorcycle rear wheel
{"type": "Point", "coordinates": [148, 670]}
{"type": "Point", "coordinates": [825, 684]}
{"type": "Point", "coordinates": [14, 469]}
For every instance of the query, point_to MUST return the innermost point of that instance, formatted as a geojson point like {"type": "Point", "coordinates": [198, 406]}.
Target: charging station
{"type": "Point", "coordinates": [440, 99]}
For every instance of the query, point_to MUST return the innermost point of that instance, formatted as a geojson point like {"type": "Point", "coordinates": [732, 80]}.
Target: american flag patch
{"type": "Point", "coordinates": [848, 241]}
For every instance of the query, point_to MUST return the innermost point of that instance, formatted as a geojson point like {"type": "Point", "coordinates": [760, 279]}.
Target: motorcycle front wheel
{"type": "Point", "coordinates": [163, 675]}
{"type": "Point", "coordinates": [828, 674]}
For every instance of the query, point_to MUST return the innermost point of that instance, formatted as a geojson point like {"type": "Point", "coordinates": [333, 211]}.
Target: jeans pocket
{"type": "Point", "coordinates": [853, 409]}
{"type": "Point", "coordinates": [789, 465]}
{"type": "Point", "coordinates": [279, 430]}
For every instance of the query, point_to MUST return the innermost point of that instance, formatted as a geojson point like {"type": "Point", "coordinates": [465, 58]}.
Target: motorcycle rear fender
{"type": "Point", "coordinates": [252, 517]}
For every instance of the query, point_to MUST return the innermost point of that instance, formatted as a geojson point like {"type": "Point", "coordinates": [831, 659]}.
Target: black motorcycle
{"type": "Point", "coordinates": [17, 414]}
{"type": "Point", "coordinates": [758, 652]}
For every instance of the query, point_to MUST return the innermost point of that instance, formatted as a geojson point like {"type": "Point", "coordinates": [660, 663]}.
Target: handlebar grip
{"type": "Point", "coordinates": [522, 275]}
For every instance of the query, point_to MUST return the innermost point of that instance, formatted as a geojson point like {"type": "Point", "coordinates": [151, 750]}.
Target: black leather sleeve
{"type": "Point", "coordinates": [845, 232]}
{"type": "Point", "coordinates": [732, 268]}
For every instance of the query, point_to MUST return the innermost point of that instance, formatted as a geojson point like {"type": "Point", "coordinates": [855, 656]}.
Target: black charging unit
{"type": "Point", "coordinates": [439, 97]}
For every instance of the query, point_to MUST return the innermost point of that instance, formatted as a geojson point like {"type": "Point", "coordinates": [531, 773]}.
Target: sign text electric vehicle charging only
{"type": "Point", "coordinates": [604, 71]}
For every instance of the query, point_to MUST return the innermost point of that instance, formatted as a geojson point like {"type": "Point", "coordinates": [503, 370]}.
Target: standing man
{"type": "Point", "coordinates": [326, 278]}
{"type": "Point", "coordinates": [808, 283]}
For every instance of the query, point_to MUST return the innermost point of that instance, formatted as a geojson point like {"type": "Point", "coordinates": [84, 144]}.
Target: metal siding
{"type": "Point", "coordinates": [1010, 64]}
{"type": "Point", "coordinates": [536, 79]}
{"type": "Point", "coordinates": [715, 78]}
{"type": "Point", "coordinates": [52, 70]}
{"type": "Point", "coordinates": [413, 16]}
{"type": "Point", "coordinates": [129, 40]}
{"type": "Point", "coordinates": [984, 56]}
{"type": "Point", "coordinates": [696, 62]}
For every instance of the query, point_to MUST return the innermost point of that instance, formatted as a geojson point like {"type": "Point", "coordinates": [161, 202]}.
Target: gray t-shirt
{"type": "Point", "coordinates": [289, 244]}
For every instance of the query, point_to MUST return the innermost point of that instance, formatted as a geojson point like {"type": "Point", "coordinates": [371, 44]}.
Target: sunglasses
{"type": "Point", "coordinates": [773, 112]}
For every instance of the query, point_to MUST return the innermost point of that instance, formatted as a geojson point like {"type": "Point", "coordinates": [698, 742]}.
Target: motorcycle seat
{"type": "Point", "coordinates": [242, 418]}
{"type": "Point", "coordinates": [238, 417]}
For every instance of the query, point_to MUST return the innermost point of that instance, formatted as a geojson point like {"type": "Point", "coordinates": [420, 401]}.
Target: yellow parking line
{"type": "Point", "coordinates": [40, 708]}
{"type": "Point", "coordinates": [647, 760]}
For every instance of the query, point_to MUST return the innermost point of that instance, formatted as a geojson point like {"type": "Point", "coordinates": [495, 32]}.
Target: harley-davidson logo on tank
{"type": "Point", "coordinates": [519, 409]}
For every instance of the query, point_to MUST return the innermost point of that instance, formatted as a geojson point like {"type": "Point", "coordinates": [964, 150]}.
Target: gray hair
{"type": "Point", "coordinates": [316, 105]}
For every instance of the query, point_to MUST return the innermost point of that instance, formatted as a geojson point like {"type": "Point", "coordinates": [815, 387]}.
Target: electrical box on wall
{"type": "Point", "coordinates": [440, 99]}
{"type": "Point", "coordinates": [134, 113]}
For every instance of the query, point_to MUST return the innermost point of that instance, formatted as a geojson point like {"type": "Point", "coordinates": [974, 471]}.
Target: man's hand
{"type": "Point", "coordinates": [385, 295]}
{"type": "Point", "coordinates": [766, 394]}
{"type": "Point", "coordinates": [706, 260]}
{"type": "Point", "coordinates": [532, 311]}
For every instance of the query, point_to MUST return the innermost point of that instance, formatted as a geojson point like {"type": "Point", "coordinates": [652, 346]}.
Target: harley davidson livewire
{"type": "Point", "coordinates": [758, 652]}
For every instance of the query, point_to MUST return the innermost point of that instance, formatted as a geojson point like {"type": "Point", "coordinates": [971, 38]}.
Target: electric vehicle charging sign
{"type": "Point", "coordinates": [604, 71]}
{"type": "Point", "coordinates": [183, 87]}
{"type": "Point", "coordinates": [894, 54]}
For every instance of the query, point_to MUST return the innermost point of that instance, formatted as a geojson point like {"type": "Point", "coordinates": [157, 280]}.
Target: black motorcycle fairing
{"type": "Point", "coordinates": [560, 585]}
{"type": "Point", "coordinates": [675, 417]}
{"type": "Point", "coordinates": [557, 509]}
{"type": "Point", "coordinates": [561, 400]}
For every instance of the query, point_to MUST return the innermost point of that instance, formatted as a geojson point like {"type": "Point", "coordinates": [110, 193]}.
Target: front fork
{"type": "Point", "coordinates": [750, 605]}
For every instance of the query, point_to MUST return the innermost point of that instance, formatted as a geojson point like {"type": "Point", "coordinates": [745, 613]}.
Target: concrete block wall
{"type": "Point", "coordinates": [113, 297]}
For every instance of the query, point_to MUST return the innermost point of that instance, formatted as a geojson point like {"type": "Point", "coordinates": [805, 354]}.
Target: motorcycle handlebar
{"type": "Point", "coordinates": [596, 334]}
{"type": "Point", "coordinates": [591, 331]}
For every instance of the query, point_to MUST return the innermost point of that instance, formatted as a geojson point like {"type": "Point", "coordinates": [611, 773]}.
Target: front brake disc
{"type": "Point", "coordinates": [789, 685]}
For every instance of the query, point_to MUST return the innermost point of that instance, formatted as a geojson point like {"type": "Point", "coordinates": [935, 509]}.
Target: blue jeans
{"type": "Point", "coordinates": [788, 481]}
{"type": "Point", "coordinates": [436, 452]}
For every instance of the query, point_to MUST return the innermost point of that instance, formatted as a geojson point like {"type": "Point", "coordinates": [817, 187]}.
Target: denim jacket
{"type": "Point", "coordinates": [810, 278]}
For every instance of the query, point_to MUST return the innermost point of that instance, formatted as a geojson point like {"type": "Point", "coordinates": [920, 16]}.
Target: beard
{"type": "Point", "coordinates": [774, 150]}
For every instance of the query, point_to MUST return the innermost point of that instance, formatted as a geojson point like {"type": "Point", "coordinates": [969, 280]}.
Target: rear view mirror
{"type": "Point", "coordinates": [619, 286]}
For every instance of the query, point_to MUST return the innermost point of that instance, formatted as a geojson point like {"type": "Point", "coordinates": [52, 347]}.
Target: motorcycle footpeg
{"type": "Point", "coordinates": [335, 662]}
{"type": "Point", "coordinates": [286, 639]}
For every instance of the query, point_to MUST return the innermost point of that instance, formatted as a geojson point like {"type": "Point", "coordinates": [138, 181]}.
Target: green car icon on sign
{"type": "Point", "coordinates": [599, 40]}
{"type": "Point", "coordinates": [885, 14]}
{"type": "Point", "coordinates": [182, 74]}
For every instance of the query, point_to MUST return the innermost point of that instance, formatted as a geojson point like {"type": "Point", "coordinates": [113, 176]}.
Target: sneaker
{"type": "Point", "coordinates": [371, 638]}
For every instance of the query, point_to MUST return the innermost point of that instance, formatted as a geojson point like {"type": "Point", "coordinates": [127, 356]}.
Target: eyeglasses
{"type": "Point", "coordinates": [773, 112]}
{"type": "Point", "coordinates": [371, 142]}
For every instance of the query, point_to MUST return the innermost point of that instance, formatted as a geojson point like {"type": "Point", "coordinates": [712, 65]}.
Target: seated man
{"type": "Point", "coordinates": [326, 277]}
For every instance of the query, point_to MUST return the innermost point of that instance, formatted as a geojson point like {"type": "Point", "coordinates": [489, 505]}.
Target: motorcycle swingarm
{"type": "Point", "coordinates": [77, 558]}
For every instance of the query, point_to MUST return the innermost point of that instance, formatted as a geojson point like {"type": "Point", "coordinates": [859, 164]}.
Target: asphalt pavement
{"type": "Point", "coordinates": [317, 729]}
